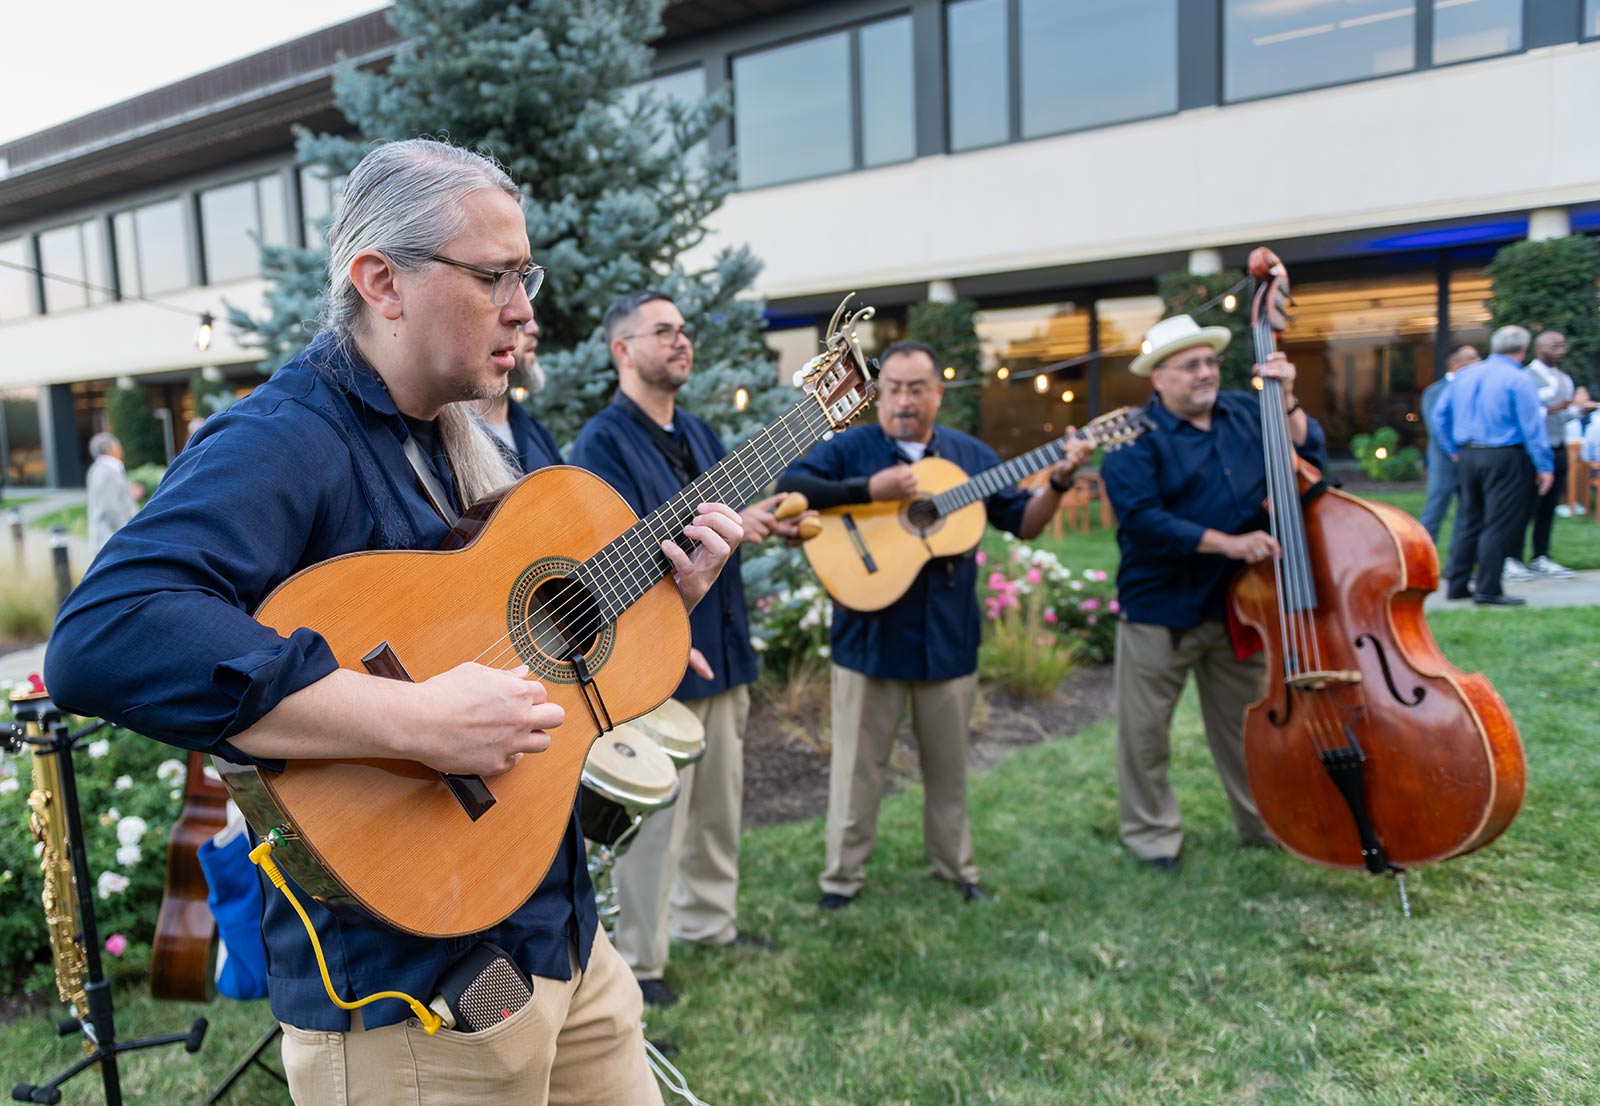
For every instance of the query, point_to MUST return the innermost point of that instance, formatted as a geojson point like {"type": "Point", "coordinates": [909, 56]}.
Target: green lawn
{"type": "Point", "coordinates": [1248, 977]}
{"type": "Point", "coordinates": [75, 519]}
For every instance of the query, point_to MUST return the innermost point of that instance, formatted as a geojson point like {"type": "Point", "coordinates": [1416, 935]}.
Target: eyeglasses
{"type": "Point", "coordinates": [503, 281]}
{"type": "Point", "coordinates": [665, 334]}
{"type": "Point", "coordinates": [915, 390]}
{"type": "Point", "coordinates": [1194, 366]}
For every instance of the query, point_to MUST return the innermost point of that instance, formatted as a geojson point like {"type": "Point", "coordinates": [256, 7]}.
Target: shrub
{"type": "Point", "coordinates": [27, 606]}
{"type": "Point", "coordinates": [1036, 605]}
{"type": "Point", "coordinates": [1550, 285]}
{"type": "Point", "coordinates": [1381, 458]}
{"type": "Point", "coordinates": [128, 412]}
{"type": "Point", "coordinates": [949, 329]}
{"type": "Point", "coordinates": [789, 614]}
{"type": "Point", "coordinates": [147, 477]}
{"type": "Point", "coordinates": [130, 790]}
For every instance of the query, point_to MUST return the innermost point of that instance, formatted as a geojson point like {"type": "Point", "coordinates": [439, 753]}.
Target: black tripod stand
{"type": "Point", "coordinates": [97, 1024]}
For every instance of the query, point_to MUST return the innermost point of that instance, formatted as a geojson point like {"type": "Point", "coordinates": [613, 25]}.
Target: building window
{"type": "Point", "coordinates": [1271, 47]}
{"type": "Point", "coordinates": [796, 113]}
{"type": "Point", "coordinates": [16, 285]}
{"type": "Point", "coordinates": [1591, 18]}
{"type": "Point", "coordinates": [152, 249]}
{"type": "Point", "coordinates": [1465, 29]}
{"type": "Point", "coordinates": [21, 438]}
{"type": "Point", "coordinates": [235, 220]}
{"type": "Point", "coordinates": [979, 88]}
{"type": "Point", "coordinates": [1078, 63]}
{"type": "Point", "coordinates": [76, 255]}
{"type": "Point", "coordinates": [319, 192]}
{"type": "Point", "coordinates": [1089, 62]}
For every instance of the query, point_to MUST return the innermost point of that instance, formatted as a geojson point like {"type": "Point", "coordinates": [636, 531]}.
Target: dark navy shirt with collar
{"type": "Point", "coordinates": [616, 448]}
{"type": "Point", "coordinates": [158, 638]}
{"type": "Point", "coordinates": [933, 631]}
{"type": "Point", "coordinates": [1170, 486]}
{"type": "Point", "coordinates": [535, 447]}
{"type": "Point", "coordinates": [1495, 402]}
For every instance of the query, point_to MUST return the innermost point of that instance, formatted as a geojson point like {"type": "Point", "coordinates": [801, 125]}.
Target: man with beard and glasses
{"type": "Point", "coordinates": [363, 442]}
{"type": "Point", "coordinates": [681, 874]}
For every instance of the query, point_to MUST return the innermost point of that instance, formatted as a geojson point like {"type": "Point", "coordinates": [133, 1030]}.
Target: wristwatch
{"type": "Point", "coordinates": [1062, 489]}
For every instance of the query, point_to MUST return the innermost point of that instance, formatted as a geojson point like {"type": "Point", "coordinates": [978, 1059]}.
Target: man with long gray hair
{"type": "Point", "coordinates": [362, 442]}
{"type": "Point", "coordinates": [1491, 422]}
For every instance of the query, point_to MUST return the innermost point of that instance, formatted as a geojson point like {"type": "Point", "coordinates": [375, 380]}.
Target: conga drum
{"type": "Point", "coordinates": [625, 779]}
{"type": "Point", "coordinates": [678, 731]}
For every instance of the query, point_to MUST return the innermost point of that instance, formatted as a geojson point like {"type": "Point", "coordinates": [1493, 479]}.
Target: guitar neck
{"type": "Point", "coordinates": [989, 481]}
{"type": "Point", "coordinates": [633, 563]}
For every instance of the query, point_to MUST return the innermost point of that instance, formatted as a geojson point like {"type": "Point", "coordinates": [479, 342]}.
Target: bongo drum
{"type": "Point", "coordinates": [626, 778]}
{"type": "Point", "coordinates": [677, 730]}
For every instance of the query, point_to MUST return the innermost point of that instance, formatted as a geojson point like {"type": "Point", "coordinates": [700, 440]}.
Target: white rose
{"type": "Point", "coordinates": [7, 786]}
{"type": "Point", "coordinates": [112, 884]}
{"type": "Point", "coordinates": [131, 829]}
{"type": "Point", "coordinates": [98, 749]}
{"type": "Point", "coordinates": [171, 771]}
{"type": "Point", "coordinates": [123, 783]}
{"type": "Point", "coordinates": [129, 855]}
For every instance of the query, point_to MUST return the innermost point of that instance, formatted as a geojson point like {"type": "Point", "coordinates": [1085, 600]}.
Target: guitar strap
{"type": "Point", "coordinates": [430, 483]}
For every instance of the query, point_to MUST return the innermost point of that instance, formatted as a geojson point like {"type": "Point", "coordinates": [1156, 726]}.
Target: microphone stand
{"type": "Point", "coordinates": [98, 1023]}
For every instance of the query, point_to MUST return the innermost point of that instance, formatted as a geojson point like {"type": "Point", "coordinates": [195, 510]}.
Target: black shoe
{"type": "Point", "coordinates": [1455, 593]}
{"type": "Point", "coordinates": [749, 941]}
{"type": "Point", "coordinates": [971, 892]}
{"type": "Point", "coordinates": [1161, 863]}
{"type": "Point", "coordinates": [656, 992]}
{"type": "Point", "coordinates": [831, 901]}
{"type": "Point", "coordinates": [1499, 600]}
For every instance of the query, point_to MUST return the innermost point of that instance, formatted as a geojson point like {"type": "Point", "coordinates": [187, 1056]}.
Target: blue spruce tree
{"type": "Point", "coordinates": [617, 184]}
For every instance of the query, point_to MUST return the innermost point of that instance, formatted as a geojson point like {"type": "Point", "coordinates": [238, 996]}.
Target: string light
{"type": "Point", "coordinates": [1003, 373]}
{"type": "Point", "coordinates": [1041, 383]}
{"type": "Point", "coordinates": [1230, 301]}
{"type": "Point", "coordinates": [202, 333]}
{"type": "Point", "coordinates": [1380, 453]}
{"type": "Point", "coordinates": [202, 330]}
{"type": "Point", "coordinates": [519, 394]}
{"type": "Point", "coordinates": [1068, 396]}
{"type": "Point", "coordinates": [741, 399]}
{"type": "Point", "coordinates": [949, 372]}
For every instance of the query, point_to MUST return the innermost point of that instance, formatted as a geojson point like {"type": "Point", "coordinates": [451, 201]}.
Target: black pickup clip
{"type": "Point", "coordinates": [591, 695]}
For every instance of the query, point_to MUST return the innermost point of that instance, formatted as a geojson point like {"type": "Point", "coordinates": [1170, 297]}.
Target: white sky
{"type": "Point", "coordinates": [66, 58]}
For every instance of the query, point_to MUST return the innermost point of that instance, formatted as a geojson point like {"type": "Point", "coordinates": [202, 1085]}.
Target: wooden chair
{"type": "Point", "coordinates": [1591, 494]}
{"type": "Point", "coordinates": [1078, 507]}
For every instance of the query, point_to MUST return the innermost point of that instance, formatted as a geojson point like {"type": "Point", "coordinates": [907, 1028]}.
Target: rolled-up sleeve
{"type": "Point", "coordinates": [158, 637]}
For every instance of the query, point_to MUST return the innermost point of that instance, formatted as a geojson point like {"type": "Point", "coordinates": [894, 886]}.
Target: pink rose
{"type": "Point", "coordinates": [116, 944]}
{"type": "Point", "coordinates": [997, 580]}
{"type": "Point", "coordinates": [1049, 615]}
{"type": "Point", "coordinates": [1090, 604]}
{"type": "Point", "coordinates": [1113, 608]}
{"type": "Point", "coordinates": [1092, 619]}
{"type": "Point", "coordinates": [1034, 576]}
{"type": "Point", "coordinates": [983, 558]}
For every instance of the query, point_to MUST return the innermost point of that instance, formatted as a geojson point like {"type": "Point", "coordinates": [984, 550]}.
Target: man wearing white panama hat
{"type": "Point", "coordinates": [1188, 501]}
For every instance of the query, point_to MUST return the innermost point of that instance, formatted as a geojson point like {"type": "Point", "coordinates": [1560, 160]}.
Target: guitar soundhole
{"type": "Point", "coordinates": [551, 616]}
{"type": "Point", "coordinates": [922, 514]}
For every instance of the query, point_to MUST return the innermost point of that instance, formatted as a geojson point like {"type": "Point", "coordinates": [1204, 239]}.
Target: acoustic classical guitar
{"type": "Point", "coordinates": [868, 554]}
{"type": "Point", "coordinates": [556, 573]}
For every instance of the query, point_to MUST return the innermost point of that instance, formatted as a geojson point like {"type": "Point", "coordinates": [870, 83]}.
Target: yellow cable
{"type": "Point", "coordinates": [260, 856]}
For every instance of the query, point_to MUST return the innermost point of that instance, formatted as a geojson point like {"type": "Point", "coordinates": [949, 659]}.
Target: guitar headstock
{"type": "Point", "coordinates": [1115, 429]}
{"type": "Point", "coordinates": [841, 376]}
{"type": "Point", "coordinates": [1270, 305]}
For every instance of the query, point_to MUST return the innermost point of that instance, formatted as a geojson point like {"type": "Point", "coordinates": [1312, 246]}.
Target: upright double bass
{"type": "Point", "coordinates": [1368, 748]}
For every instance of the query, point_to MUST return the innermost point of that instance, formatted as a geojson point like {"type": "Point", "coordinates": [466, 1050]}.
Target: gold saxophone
{"type": "Point", "coordinates": [48, 826]}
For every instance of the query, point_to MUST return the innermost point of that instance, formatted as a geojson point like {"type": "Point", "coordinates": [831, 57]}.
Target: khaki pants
{"type": "Point", "coordinates": [1150, 674]}
{"type": "Point", "coordinates": [866, 718]}
{"type": "Point", "coordinates": [681, 874]}
{"type": "Point", "coordinates": [578, 1042]}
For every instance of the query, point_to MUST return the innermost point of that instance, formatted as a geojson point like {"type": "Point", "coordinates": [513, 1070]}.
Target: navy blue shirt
{"type": "Point", "coordinates": [535, 447]}
{"type": "Point", "coordinates": [158, 638]}
{"type": "Point", "coordinates": [1494, 403]}
{"type": "Point", "coordinates": [933, 631]}
{"type": "Point", "coordinates": [614, 447]}
{"type": "Point", "coordinates": [1172, 485]}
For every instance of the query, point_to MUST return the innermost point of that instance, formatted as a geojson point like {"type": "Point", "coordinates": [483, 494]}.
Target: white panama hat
{"type": "Point", "coordinates": [1171, 335]}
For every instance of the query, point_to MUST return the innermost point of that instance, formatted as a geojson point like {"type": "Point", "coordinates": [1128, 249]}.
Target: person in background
{"type": "Point", "coordinates": [523, 438]}
{"type": "Point", "coordinates": [1442, 480]}
{"type": "Point", "coordinates": [111, 497]}
{"type": "Point", "coordinates": [1563, 402]}
{"type": "Point", "coordinates": [1491, 421]}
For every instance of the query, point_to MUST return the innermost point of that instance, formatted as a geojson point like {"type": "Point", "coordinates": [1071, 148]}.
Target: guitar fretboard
{"type": "Point", "coordinates": [989, 481]}
{"type": "Point", "coordinates": [633, 563]}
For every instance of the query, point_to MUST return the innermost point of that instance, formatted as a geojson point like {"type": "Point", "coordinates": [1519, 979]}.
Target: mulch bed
{"type": "Point", "coordinates": [786, 752]}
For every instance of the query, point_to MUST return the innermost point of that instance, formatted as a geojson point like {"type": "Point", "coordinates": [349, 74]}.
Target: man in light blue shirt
{"type": "Point", "coordinates": [1442, 480]}
{"type": "Point", "coordinates": [1491, 421]}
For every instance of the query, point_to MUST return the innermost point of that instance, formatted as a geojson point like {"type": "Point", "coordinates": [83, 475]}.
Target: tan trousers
{"type": "Point", "coordinates": [578, 1043]}
{"type": "Point", "coordinates": [866, 717]}
{"type": "Point", "coordinates": [681, 874]}
{"type": "Point", "coordinates": [1150, 675]}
